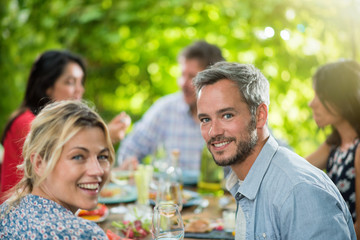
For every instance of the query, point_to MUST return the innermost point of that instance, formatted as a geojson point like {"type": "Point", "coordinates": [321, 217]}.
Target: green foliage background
{"type": "Point", "coordinates": [131, 49]}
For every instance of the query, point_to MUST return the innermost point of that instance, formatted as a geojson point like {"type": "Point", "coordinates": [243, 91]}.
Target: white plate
{"type": "Point", "coordinates": [106, 214]}
{"type": "Point", "coordinates": [101, 219]}
{"type": "Point", "coordinates": [194, 198]}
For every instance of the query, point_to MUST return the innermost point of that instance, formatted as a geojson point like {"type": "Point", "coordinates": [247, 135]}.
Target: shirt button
{"type": "Point", "coordinates": [238, 196]}
{"type": "Point", "coordinates": [264, 235]}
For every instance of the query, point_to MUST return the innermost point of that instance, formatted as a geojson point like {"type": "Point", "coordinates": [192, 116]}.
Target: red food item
{"type": "Point", "coordinates": [219, 228]}
{"type": "Point", "coordinates": [128, 233]}
{"type": "Point", "coordinates": [137, 224]}
{"type": "Point", "coordinates": [99, 211]}
{"type": "Point", "coordinates": [112, 236]}
{"type": "Point", "coordinates": [135, 230]}
{"type": "Point", "coordinates": [142, 232]}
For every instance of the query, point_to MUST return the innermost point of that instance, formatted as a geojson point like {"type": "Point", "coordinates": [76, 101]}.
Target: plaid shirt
{"type": "Point", "coordinates": [170, 123]}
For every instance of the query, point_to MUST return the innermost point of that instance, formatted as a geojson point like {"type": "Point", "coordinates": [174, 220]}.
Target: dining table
{"type": "Point", "coordinates": [213, 211]}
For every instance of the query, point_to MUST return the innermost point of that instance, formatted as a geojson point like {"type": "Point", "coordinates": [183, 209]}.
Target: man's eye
{"type": "Point", "coordinates": [204, 120]}
{"type": "Point", "coordinates": [228, 115]}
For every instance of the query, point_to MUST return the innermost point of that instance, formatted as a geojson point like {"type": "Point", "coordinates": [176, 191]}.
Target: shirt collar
{"type": "Point", "coordinates": [252, 182]}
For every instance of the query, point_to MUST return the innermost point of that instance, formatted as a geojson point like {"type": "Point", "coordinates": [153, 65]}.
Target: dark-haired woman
{"type": "Point", "coordinates": [55, 76]}
{"type": "Point", "coordinates": [337, 104]}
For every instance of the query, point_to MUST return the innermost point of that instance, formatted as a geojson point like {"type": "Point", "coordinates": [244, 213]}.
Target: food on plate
{"type": "Point", "coordinates": [136, 230]}
{"type": "Point", "coordinates": [198, 225]}
{"type": "Point", "coordinates": [95, 214]}
{"type": "Point", "coordinates": [186, 196]}
{"type": "Point", "coordinates": [113, 236]}
{"type": "Point", "coordinates": [152, 195]}
{"type": "Point", "coordinates": [113, 193]}
{"type": "Point", "coordinates": [110, 192]}
{"type": "Point", "coordinates": [202, 225]}
{"type": "Point", "coordinates": [121, 177]}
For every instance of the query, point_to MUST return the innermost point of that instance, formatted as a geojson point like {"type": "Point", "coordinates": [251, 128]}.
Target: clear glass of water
{"type": "Point", "coordinates": [167, 222]}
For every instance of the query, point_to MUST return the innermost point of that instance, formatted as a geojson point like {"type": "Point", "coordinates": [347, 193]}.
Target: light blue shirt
{"type": "Point", "coordinates": [169, 122]}
{"type": "Point", "coordinates": [285, 197]}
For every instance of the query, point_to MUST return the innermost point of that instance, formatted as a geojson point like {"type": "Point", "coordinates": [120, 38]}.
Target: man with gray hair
{"type": "Point", "coordinates": [279, 194]}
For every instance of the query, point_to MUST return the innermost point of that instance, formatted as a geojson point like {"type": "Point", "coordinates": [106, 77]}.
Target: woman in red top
{"type": "Point", "coordinates": [55, 75]}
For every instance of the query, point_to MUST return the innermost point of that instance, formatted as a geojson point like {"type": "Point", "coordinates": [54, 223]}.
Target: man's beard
{"type": "Point", "coordinates": [244, 147]}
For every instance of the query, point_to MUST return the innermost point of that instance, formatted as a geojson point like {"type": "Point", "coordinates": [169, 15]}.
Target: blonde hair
{"type": "Point", "coordinates": [52, 128]}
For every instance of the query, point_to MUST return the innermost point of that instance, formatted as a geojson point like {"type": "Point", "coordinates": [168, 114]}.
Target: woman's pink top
{"type": "Point", "coordinates": [13, 144]}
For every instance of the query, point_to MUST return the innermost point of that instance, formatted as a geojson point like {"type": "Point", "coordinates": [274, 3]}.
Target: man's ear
{"type": "Point", "coordinates": [38, 163]}
{"type": "Point", "coordinates": [261, 115]}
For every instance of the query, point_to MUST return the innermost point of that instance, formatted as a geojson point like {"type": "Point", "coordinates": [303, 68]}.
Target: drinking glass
{"type": "Point", "coordinates": [169, 192]}
{"type": "Point", "coordinates": [160, 160]}
{"type": "Point", "coordinates": [143, 176]}
{"type": "Point", "coordinates": [167, 222]}
{"type": "Point", "coordinates": [229, 220]}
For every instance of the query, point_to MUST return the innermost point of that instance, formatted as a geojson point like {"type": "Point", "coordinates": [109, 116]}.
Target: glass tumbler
{"type": "Point", "coordinates": [167, 222]}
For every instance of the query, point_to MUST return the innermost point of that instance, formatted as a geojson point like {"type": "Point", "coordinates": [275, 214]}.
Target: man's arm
{"type": "Point", "coordinates": [143, 139]}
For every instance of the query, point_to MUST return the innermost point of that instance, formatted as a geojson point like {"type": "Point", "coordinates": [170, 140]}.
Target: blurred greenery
{"type": "Point", "coordinates": [131, 49]}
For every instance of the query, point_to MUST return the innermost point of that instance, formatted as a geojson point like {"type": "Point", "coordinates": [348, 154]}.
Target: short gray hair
{"type": "Point", "coordinates": [252, 84]}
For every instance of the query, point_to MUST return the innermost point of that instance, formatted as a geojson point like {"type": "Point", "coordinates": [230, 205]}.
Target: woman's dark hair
{"type": "Point", "coordinates": [338, 85]}
{"type": "Point", "coordinates": [43, 75]}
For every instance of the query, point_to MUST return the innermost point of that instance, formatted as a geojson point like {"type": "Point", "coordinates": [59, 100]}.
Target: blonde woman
{"type": "Point", "coordinates": [67, 159]}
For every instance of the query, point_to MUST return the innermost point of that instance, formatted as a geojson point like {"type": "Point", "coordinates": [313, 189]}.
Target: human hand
{"type": "Point", "coordinates": [130, 163]}
{"type": "Point", "coordinates": [117, 127]}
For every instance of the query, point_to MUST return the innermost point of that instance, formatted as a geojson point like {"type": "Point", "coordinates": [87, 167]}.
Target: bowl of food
{"type": "Point", "coordinates": [136, 223]}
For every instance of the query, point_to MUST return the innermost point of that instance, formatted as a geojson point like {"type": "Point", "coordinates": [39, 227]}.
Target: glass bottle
{"type": "Point", "coordinates": [173, 172]}
{"type": "Point", "coordinates": [211, 175]}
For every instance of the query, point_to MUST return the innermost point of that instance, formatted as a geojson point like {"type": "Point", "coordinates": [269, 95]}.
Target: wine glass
{"type": "Point", "coordinates": [159, 158]}
{"type": "Point", "coordinates": [167, 222]}
{"type": "Point", "coordinates": [160, 163]}
{"type": "Point", "coordinates": [169, 192]}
